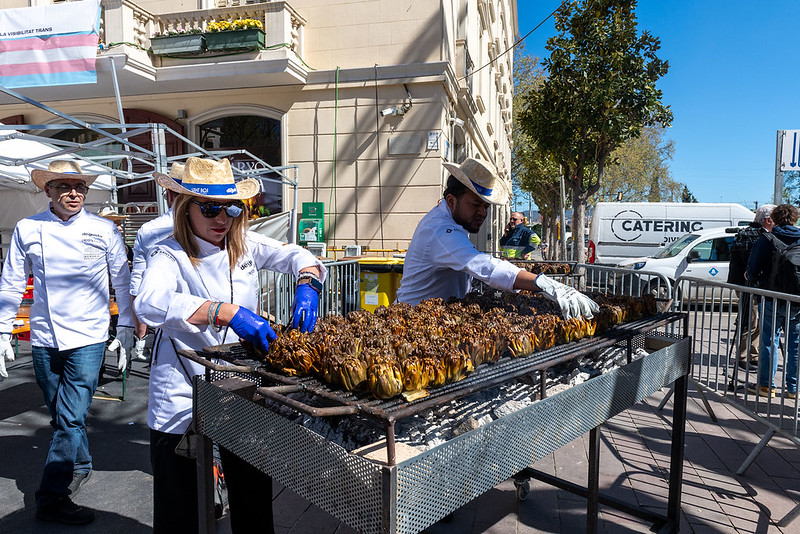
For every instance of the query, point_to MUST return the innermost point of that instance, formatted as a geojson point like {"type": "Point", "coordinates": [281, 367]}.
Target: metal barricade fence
{"type": "Point", "coordinates": [340, 292]}
{"type": "Point", "coordinates": [618, 281]}
{"type": "Point", "coordinates": [727, 323]}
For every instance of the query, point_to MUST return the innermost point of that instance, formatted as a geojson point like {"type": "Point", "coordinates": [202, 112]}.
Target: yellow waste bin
{"type": "Point", "coordinates": [380, 278]}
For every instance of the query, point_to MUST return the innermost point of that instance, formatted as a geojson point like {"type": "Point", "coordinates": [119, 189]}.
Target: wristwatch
{"type": "Point", "coordinates": [316, 284]}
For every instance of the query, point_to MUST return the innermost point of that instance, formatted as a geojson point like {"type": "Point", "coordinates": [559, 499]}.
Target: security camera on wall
{"type": "Point", "coordinates": [388, 111]}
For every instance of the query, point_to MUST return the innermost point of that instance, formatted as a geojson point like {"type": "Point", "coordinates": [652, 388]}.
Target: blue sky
{"type": "Point", "coordinates": [734, 74]}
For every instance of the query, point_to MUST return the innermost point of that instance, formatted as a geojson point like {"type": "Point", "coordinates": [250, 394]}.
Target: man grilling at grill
{"type": "Point", "coordinates": [441, 261]}
{"type": "Point", "coordinates": [71, 253]}
{"type": "Point", "coordinates": [199, 288]}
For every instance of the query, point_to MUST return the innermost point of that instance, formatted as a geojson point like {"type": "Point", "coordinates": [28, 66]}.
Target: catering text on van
{"type": "Point", "coordinates": [622, 230]}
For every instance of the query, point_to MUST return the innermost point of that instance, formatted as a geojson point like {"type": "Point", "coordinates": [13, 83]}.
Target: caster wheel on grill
{"type": "Point", "coordinates": [523, 489]}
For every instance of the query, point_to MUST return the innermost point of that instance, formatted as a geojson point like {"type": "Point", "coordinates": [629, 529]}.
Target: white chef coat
{"type": "Point", "coordinates": [148, 235]}
{"type": "Point", "coordinates": [71, 262]}
{"type": "Point", "coordinates": [441, 261]}
{"type": "Point", "coordinates": [172, 289]}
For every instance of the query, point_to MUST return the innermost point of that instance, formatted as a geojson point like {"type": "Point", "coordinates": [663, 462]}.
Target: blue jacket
{"type": "Point", "coordinates": [760, 263]}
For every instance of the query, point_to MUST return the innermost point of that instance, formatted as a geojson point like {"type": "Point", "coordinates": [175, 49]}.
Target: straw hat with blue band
{"type": "Point", "coordinates": [207, 178]}
{"type": "Point", "coordinates": [61, 169]}
{"type": "Point", "coordinates": [480, 178]}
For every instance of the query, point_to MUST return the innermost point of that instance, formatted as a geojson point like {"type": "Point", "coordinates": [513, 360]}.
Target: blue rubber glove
{"type": "Point", "coordinates": [306, 303]}
{"type": "Point", "coordinates": [253, 328]}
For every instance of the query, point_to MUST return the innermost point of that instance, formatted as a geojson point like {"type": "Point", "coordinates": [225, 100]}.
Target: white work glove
{"type": "Point", "coordinates": [6, 353]}
{"type": "Point", "coordinates": [572, 302]}
{"type": "Point", "coordinates": [138, 350]}
{"type": "Point", "coordinates": [124, 342]}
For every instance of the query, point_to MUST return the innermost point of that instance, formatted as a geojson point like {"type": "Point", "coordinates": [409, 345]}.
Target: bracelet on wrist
{"type": "Point", "coordinates": [312, 280]}
{"type": "Point", "coordinates": [307, 274]}
{"type": "Point", "coordinates": [217, 326]}
{"type": "Point", "coordinates": [213, 319]}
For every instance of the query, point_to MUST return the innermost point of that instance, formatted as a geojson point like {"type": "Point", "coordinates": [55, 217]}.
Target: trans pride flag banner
{"type": "Point", "coordinates": [49, 45]}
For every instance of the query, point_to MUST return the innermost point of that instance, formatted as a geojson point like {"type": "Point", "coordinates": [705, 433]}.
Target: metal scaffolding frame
{"type": "Point", "coordinates": [115, 153]}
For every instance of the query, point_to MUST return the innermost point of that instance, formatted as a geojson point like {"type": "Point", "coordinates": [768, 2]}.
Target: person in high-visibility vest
{"type": "Point", "coordinates": [518, 241]}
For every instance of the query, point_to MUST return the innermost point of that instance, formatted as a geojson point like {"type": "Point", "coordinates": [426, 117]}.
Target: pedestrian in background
{"type": "Point", "coordinates": [71, 253]}
{"type": "Point", "coordinates": [199, 288]}
{"type": "Point", "coordinates": [518, 241]}
{"type": "Point", "coordinates": [148, 235]}
{"type": "Point", "coordinates": [760, 272]}
{"type": "Point", "coordinates": [747, 329]}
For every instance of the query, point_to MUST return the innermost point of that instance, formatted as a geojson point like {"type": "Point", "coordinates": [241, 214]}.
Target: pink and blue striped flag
{"type": "Point", "coordinates": [49, 45]}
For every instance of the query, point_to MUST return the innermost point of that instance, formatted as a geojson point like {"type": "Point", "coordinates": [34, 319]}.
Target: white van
{"type": "Point", "coordinates": [704, 254]}
{"type": "Point", "coordinates": [622, 230]}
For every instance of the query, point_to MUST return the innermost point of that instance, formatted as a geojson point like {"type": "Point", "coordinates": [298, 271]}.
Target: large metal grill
{"type": "Point", "coordinates": [406, 495]}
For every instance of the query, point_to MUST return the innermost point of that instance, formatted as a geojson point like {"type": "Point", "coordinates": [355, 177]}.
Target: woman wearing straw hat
{"type": "Point", "coordinates": [199, 288]}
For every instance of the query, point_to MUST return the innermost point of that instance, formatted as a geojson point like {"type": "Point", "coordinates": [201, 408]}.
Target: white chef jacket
{"type": "Point", "coordinates": [71, 262]}
{"type": "Point", "coordinates": [441, 261]}
{"type": "Point", "coordinates": [171, 291]}
{"type": "Point", "coordinates": [148, 235]}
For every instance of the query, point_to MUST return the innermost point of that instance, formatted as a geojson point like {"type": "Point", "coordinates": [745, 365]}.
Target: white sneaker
{"type": "Point", "coordinates": [138, 350]}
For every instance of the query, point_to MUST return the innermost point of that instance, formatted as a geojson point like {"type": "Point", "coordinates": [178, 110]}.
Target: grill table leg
{"type": "Point", "coordinates": [676, 458]}
{"type": "Point", "coordinates": [593, 485]}
{"type": "Point", "coordinates": [205, 486]}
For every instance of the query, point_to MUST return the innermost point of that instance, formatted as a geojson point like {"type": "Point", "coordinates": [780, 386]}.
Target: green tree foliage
{"type": "Point", "coordinates": [533, 172]}
{"type": "Point", "coordinates": [600, 91]}
{"type": "Point", "coordinates": [687, 196]}
{"type": "Point", "coordinates": [638, 170]}
{"type": "Point", "coordinates": [791, 187]}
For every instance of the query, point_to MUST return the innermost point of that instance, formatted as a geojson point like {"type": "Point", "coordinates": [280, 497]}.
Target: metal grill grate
{"type": "Point", "coordinates": [347, 486]}
{"type": "Point", "coordinates": [434, 483]}
{"type": "Point", "coordinates": [418, 492]}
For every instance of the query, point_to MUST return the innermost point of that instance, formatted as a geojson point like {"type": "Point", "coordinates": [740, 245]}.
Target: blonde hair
{"type": "Point", "coordinates": [234, 241]}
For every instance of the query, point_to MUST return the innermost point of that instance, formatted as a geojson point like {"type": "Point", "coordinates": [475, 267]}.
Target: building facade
{"type": "Point", "coordinates": [366, 98]}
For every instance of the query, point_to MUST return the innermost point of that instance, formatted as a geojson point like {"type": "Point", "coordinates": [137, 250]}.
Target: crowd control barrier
{"type": "Point", "coordinates": [727, 323]}
{"type": "Point", "coordinates": [340, 291]}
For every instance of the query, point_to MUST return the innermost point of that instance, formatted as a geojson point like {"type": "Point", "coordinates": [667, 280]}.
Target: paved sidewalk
{"type": "Point", "coordinates": [634, 461]}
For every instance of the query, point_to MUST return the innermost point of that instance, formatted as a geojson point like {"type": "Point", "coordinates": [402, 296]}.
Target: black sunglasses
{"type": "Point", "coordinates": [63, 188]}
{"type": "Point", "coordinates": [212, 209]}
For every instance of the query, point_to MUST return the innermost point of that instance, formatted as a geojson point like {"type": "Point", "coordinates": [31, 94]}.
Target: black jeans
{"type": "Point", "coordinates": [175, 490]}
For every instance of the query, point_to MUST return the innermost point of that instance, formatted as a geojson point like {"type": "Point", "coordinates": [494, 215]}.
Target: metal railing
{"type": "Point", "coordinates": [727, 323]}
{"type": "Point", "coordinates": [340, 291]}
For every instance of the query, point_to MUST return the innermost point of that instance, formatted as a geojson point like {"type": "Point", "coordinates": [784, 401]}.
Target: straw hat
{"type": "Point", "coordinates": [110, 213]}
{"type": "Point", "coordinates": [480, 178]}
{"type": "Point", "coordinates": [61, 169]}
{"type": "Point", "coordinates": [207, 178]}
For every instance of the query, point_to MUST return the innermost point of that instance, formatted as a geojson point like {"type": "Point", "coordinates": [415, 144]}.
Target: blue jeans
{"type": "Point", "coordinates": [68, 379]}
{"type": "Point", "coordinates": [770, 341]}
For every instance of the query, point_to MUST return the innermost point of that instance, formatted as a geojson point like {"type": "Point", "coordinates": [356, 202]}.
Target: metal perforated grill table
{"type": "Point", "coordinates": [406, 495]}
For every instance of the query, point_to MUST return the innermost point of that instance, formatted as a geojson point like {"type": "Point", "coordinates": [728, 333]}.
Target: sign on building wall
{"type": "Point", "coordinates": [49, 45]}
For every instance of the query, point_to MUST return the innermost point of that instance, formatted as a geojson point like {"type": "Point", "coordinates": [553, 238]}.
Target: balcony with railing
{"type": "Point", "coordinates": [126, 24]}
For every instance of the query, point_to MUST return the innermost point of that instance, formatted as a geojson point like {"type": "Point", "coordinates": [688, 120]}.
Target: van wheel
{"type": "Point", "coordinates": [659, 291]}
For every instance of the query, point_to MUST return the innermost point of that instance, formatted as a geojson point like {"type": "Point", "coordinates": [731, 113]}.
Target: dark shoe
{"type": "Point", "coordinates": [79, 478]}
{"type": "Point", "coordinates": [744, 365]}
{"type": "Point", "coordinates": [63, 510]}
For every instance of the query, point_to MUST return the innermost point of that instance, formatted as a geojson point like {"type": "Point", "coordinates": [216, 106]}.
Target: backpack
{"type": "Point", "coordinates": [740, 254]}
{"type": "Point", "coordinates": [785, 272]}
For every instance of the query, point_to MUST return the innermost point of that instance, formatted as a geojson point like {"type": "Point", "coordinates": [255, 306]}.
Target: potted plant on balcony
{"type": "Point", "coordinates": [237, 35]}
{"type": "Point", "coordinates": [183, 42]}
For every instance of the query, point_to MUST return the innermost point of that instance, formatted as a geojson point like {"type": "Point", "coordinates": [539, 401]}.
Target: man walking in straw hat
{"type": "Point", "coordinates": [71, 253]}
{"type": "Point", "coordinates": [441, 260]}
